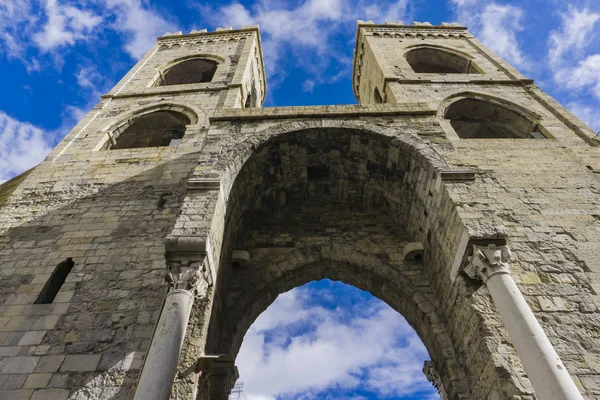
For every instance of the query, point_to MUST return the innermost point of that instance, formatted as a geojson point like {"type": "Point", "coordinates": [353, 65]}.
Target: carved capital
{"type": "Point", "coordinates": [487, 261]}
{"type": "Point", "coordinates": [192, 276]}
{"type": "Point", "coordinates": [434, 377]}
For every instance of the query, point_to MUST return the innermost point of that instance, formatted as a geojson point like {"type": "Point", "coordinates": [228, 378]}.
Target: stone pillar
{"type": "Point", "coordinates": [544, 368]}
{"type": "Point", "coordinates": [222, 380]}
{"type": "Point", "coordinates": [186, 279]}
{"type": "Point", "coordinates": [434, 377]}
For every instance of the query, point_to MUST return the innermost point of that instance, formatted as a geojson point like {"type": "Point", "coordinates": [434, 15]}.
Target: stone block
{"type": "Point", "coordinates": [32, 338]}
{"type": "Point", "coordinates": [37, 381]}
{"type": "Point", "coordinates": [63, 297]}
{"type": "Point", "coordinates": [20, 365]}
{"type": "Point", "coordinates": [49, 363]}
{"type": "Point", "coordinates": [58, 381]}
{"type": "Point", "coordinates": [18, 323]}
{"type": "Point", "coordinates": [553, 304]}
{"type": "Point", "coordinates": [9, 351]}
{"type": "Point", "coordinates": [12, 338]}
{"type": "Point", "coordinates": [47, 322]}
{"type": "Point", "coordinates": [23, 394]}
{"type": "Point", "coordinates": [47, 394]}
{"type": "Point", "coordinates": [14, 381]}
{"type": "Point", "coordinates": [80, 362]}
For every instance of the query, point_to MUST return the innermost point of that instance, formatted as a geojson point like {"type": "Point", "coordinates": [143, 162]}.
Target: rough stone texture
{"type": "Point", "coordinates": [309, 192]}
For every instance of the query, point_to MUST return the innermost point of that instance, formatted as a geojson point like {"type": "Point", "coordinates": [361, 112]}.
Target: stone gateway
{"type": "Point", "coordinates": [135, 257]}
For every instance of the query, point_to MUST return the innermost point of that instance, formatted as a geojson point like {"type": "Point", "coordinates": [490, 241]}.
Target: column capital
{"type": "Point", "coordinates": [487, 261]}
{"type": "Point", "coordinates": [192, 276]}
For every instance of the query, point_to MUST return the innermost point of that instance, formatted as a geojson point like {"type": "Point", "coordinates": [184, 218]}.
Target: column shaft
{"type": "Point", "coordinates": [546, 371]}
{"type": "Point", "coordinates": [161, 361]}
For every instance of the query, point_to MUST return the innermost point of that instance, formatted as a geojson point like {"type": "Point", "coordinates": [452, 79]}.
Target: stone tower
{"type": "Point", "coordinates": [136, 256]}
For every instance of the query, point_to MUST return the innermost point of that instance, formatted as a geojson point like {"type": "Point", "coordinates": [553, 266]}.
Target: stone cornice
{"type": "Point", "coordinates": [239, 114]}
{"type": "Point", "coordinates": [218, 32]}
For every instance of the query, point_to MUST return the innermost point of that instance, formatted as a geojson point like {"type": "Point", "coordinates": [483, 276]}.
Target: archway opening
{"type": "Point", "coordinates": [473, 118]}
{"type": "Point", "coordinates": [342, 204]}
{"type": "Point", "coordinates": [327, 339]}
{"type": "Point", "coordinates": [436, 61]}
{"type": "Point", "coordinates": [159, 128]}
{"type": "Point", "coordinates": [197, 70]}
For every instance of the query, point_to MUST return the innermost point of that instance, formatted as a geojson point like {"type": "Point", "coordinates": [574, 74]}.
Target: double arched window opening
{"type": "Point", "coordinates": [474, 118]}
{"type": "Point", "coordinates": [429, 60]}
{"type": "Point", "coordinates": [155, 129]}
{"type": "Point", "coordinates": [196, 70]}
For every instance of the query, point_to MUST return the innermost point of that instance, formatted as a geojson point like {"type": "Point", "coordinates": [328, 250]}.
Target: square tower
{"type": "Point", "coordinates": [476, 93]}
{"type": "Point", "coordinates": [167, 98]}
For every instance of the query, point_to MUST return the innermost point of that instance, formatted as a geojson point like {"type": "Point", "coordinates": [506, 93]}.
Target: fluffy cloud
{"type": "Point", "coordinates": [140, 23]}
{"type": "Point", "coordinates": [588, 113]}
{"type": "Point", "coordinates": [63, 23]}
{"type": "Point", "coordinates": [575, 62]}
{"type": "Point", "coordinates": [22, 146]}
{"type": "Point", "coordinates": [496, 25]}
{"type": "Point", "coordinates": [567, 50]}
{"type": "Point", "coordinates": [298, 348]}
{"type": "Point", "coordinates": [574, 35]}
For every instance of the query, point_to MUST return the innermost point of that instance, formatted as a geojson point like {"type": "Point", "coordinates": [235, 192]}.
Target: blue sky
{"type": "Point", "coordinates": [58, 56]}
{"type": "Point", "coordinates": [327, 340]}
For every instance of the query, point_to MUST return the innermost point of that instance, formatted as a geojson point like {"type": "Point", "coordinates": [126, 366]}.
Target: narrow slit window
{"type": "Point", "coordinates": [55, 282]}
{"type": "Point", "coordinates": [377, 96]}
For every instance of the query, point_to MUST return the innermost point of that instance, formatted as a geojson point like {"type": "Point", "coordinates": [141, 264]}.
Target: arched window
{"type": "Point", "coordinates": [159, 128]}
{"type": "Point", "coordinates": [377, 96]}
{"type": "Point", "coordinates": [473, 118]}
{"type": "Point", "coordinates": [55, 281]}
{"type": "Point", "coordinates": [197, 70]}
{"type": "Point", "coordinates": [435, 61]}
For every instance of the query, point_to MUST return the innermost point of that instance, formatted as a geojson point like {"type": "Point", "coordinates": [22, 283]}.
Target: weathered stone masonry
{"type": "Point", "coordinates": [303, 193]}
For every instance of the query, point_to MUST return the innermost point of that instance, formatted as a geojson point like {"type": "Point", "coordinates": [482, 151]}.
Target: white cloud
{"type": "Point", "coordinates": [22, 146]}
{"type": "Point", "coordinates": [297, 349]}
{"type": "Point", "coordinates": [61, 24]}
{"type": "Point", "coordinates": [15, 18]}
{"type": "Point", "coordinates": [574, 35]}
{"type": "Point", "coordinates": [588, 113]}
{"type": "Point", "coordinates": [575, 62]}
{"type": "Point", "coordinates": [140, 23]}
{"type": "Point", "coordinates": [496, 25]}
{"type": "Point", "coordinates": [585, 75]}
{"type": "Point", "coordinates": [65, 25]}
{"type": "Point", "coordinates": [567, 51]}
{"type": "Point", "coordinates": [499, 27]}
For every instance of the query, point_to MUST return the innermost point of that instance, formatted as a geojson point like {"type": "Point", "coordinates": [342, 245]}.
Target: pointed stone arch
{"type": "Point", "coordinates": [249, 214]}
{"type": "Point", "coordinates": [475, 115]}
{"type": "Point", "coordinates": [113, 131]}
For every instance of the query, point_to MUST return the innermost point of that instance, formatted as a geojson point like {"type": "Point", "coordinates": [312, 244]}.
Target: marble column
{"type": "Point", "coordinates": [186, 280]}
{"type": "Point", "coordinates": [547, 373]}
